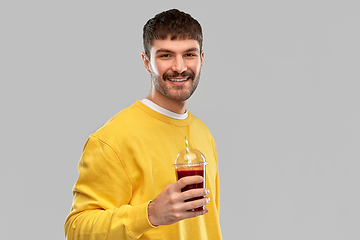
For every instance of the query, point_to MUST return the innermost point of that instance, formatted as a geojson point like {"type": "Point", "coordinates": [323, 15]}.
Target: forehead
{"type": "Point", "coordinates": [176, 45]}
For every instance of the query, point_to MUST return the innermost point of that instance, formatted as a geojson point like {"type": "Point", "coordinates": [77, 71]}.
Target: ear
{"type": "Point", "coordinates": [202, 58]}
{"type": "Point", "coordinates": [146, 61]}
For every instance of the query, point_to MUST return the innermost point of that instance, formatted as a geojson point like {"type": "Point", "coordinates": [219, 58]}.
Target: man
{"type": "Point", "coordinates": [127, 186]}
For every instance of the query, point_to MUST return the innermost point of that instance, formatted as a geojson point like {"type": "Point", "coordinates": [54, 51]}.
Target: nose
{"type": "Point", "coordinates": [179, 65]}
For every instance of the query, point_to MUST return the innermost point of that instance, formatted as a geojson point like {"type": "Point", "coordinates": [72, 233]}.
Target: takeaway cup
{"type": "Point", "coordinates": [190, 164]}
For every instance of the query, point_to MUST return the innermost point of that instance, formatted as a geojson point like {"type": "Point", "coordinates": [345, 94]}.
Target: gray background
{"type": "Point", "coordinates": [279, 91]}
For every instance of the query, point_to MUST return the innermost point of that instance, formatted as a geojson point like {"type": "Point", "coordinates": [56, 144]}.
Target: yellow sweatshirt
{"type": "Point", "coordinates": [125, 165]}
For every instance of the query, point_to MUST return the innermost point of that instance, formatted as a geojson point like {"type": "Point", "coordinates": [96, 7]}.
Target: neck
{"type": "Point", "coordinates": [173, 106]}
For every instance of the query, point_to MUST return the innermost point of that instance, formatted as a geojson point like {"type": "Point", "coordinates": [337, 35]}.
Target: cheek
{"type": "Point", "coordinates": [157, 68]}
{"type": "Point", "coordinates": [196, 67]}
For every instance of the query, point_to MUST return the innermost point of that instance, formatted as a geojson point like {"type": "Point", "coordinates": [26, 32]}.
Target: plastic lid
{"type": "Point", "coordinates": [195, 156]}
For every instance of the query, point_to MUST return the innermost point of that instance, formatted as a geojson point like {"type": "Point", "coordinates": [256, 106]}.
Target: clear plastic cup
{"type": "Point", "coordinates": [195, 166]}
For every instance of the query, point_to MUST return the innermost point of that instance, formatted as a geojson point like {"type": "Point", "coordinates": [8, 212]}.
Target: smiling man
{"type": "Point", "coordinates": [175, 68]}
{"type": "Point", "coordinates": [127, 187]}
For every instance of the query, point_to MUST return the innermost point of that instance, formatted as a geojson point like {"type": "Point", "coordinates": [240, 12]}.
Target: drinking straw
{"type": "Point", "coordinates": [187, 149]}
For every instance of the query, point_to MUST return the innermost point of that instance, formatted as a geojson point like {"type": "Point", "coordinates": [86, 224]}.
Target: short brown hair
{"type": "Point", "coordinates": [173, 23]}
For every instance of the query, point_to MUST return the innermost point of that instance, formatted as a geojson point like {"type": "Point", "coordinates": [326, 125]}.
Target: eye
{"type": "Point", "coordinates": [190, 55]}
{"type": "Point", "coordinates": [165, 55]}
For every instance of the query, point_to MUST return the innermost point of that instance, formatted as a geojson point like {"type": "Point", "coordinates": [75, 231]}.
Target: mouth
{"type": "Point", "coordinates": [178, 79]}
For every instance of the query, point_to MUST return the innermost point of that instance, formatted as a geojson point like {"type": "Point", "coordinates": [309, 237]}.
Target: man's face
{"type": "Point", "coordinates": [175, 67]}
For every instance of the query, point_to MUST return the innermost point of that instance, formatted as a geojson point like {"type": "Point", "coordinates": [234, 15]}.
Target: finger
{"type": "Point", "coordinates": [195, 203]}
{"type": "Point", "coordinates": [194, 214]}
{"type": "Point", "coordinates": [182, 182]}
{"type": "Point", "coordinates": [193, 193]}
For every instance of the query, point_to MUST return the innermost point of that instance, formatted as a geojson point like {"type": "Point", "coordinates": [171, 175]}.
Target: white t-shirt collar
{"type": "Point", "coordinates": [164, 111]}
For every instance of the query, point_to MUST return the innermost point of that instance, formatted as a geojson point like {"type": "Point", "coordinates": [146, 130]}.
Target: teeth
{"type": "Point", "coordinates": [178, 79]}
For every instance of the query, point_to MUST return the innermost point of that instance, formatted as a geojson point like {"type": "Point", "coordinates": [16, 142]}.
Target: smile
{"type": "Point", "coordinates": [178, 79]}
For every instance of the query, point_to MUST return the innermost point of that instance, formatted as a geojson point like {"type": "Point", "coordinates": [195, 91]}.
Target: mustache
{"type": "Point", "coordinates": [185, 74]}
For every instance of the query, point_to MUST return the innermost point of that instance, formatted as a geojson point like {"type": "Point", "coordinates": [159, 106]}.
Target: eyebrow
{"type": "Point", "coordinates": [162, 50]}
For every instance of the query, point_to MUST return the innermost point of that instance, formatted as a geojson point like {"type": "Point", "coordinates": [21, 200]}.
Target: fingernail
{"type": "Point", "coordinates": [207, 199]}
{"type": "Point", "coordinates": [207, 191]}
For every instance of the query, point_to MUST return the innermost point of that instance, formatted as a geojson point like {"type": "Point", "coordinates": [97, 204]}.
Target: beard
{"type": "Point", "coordinates": [176, 93]}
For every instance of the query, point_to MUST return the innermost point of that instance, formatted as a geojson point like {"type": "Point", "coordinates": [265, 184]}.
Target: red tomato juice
{"type": "Point", "coordinates": [184, 172]}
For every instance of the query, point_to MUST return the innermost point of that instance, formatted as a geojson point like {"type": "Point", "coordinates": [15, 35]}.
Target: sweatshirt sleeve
{"type": "Point", "coordinates": [102, 193]}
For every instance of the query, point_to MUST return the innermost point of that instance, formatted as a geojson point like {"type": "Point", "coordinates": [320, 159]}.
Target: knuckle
{"type": "Point", "coordinates": [172, 199]}
{"type": "Point", "coordinates": [192, 194]}
{"type": "Point", "coordinates": [170, 187]}
{"type": "Point", "coordinates": [194, 204]}
{"type": "Point", "coordinates": [175, 209]}
{"type": "Point", "coordinates": [183, 181]}
{"type": "Point", "coordinates": [177, 216]}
